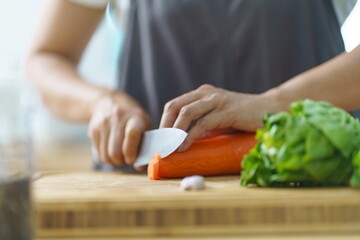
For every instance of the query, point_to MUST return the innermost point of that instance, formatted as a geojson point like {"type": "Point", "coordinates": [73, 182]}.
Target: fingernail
{"type": "Point", "coordinates": [133, 131]}
{"type": "Point", "coordinates": [130, 161]}
{"type": "Point", "coordinates": [140, 169]}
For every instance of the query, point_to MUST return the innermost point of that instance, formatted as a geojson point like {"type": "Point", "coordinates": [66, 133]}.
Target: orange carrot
{"type": "Point", "coordinates": [220, 155]}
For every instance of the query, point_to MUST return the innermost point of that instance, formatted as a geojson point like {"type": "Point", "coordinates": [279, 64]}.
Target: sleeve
{"type": "Point", "coordinates": [91, 3]}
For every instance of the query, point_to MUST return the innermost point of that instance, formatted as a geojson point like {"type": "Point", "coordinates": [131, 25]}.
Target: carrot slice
{"type": "Point", "coordinates": [220, 155]}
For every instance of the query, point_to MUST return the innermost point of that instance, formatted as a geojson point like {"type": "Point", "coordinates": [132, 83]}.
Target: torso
{"type": "Point", "coordinates": [174, 46]}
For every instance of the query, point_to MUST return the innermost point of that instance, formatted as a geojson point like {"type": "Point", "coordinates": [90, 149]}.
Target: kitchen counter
{"type": "Point", "coordinates": [78, 202]}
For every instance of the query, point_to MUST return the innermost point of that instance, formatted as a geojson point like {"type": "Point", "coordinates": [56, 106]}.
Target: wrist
{"type": "Point", "coordinates": [102, 95]}
{"type": "Point", "coordinates": [276, 101]}
{"type": "Point", "coordinates": [108, 98]}
{"type": "Point", "coordinates": [270, 101]}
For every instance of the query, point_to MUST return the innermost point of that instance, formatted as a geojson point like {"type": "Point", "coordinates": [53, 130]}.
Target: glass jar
{"type": "Point", "coordinates": [15, 162]}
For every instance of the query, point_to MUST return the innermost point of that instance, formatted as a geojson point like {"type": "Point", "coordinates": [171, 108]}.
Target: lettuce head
{"type": "Point", "coordinates": [315, 144]}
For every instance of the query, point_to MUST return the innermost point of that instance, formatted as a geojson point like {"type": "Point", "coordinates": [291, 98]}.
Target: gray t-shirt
{"type": "Point", "coordinates": [174, 46]}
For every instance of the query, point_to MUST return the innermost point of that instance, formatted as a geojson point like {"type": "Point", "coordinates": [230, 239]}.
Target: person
{"type": "Point", "coordinates": [172, 47]}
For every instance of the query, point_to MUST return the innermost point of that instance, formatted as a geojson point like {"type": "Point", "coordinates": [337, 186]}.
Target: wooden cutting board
{"type": "Point", "coordinates": [91, 204]}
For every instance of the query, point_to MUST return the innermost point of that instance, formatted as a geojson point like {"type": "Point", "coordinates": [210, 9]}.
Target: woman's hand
{"type": "Point", "coordinates": [116, 128]}
{"type": "Point", "coordinates": [209, 108]}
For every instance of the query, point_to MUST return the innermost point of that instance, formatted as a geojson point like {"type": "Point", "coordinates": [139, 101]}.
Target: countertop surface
{"type": "Point", "coordinates": [73, 201]}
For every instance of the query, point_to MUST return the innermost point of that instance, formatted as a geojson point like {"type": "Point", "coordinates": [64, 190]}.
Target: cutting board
{"type": "Point", "coordinates": [91, 204]}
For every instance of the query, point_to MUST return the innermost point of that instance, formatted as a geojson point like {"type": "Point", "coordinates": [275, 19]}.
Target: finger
{"type": "Point", "coordinates": [172, 108]}
{"type": "Point", "coordinates": [213, 120]}
{"type": "Point", "coordinates": [103, 146]}
{"type": "Point", "coordinates": [217, 132]}
{"type": "Point", "coordinates": [115, 142]}
{"type": "Point", "coordinates": [94, 137]}
{"type": "Point", "coordinates": [135, 127]}
{"type": "Point", "coordinates": [192, 112]}
{"type": "Point", "coordinates": [140, 169]}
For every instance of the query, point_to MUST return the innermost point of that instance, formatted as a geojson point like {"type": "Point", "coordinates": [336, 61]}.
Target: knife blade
{"type": "Point", "coordinates": [163, 141]}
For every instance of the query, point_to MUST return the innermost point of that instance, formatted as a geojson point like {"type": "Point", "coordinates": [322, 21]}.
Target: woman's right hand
{"type": "Point", "coordinates": [116, 128]}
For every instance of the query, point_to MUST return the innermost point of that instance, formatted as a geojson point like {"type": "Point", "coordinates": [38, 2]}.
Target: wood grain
{"type": "Point", "coordinates": [90, 204]}
{"type": "Point", "coordinates": [277, 237]}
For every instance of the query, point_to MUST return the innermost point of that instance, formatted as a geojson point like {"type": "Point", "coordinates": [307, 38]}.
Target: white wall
{"type": "Point", "coordinates": [351, 28]}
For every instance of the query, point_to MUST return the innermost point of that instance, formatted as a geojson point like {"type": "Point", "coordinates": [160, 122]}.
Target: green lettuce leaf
{"type": "Point", "coordinates": [315, 144]}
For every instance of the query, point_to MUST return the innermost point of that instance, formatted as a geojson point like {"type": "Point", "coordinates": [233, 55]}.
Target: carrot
{"type": "Point", "coordinates": [220, 155]}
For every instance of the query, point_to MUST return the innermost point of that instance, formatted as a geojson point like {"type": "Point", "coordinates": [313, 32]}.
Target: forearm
{"type": "Point", "coordinates": [336, 81]}
{"type": "Point", "coordinates": [62, 89]}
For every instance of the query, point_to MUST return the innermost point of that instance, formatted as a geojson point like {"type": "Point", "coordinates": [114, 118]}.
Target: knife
{"type": "Point", "coordinates": [163, 141]}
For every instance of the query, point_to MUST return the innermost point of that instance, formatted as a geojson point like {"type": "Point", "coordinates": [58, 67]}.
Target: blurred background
{"type": "Point", "coordinates": [18, 19]}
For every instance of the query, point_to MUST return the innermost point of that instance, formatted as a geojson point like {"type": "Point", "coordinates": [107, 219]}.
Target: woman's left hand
{"type": "Point", "coordinates": [209, 108]}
